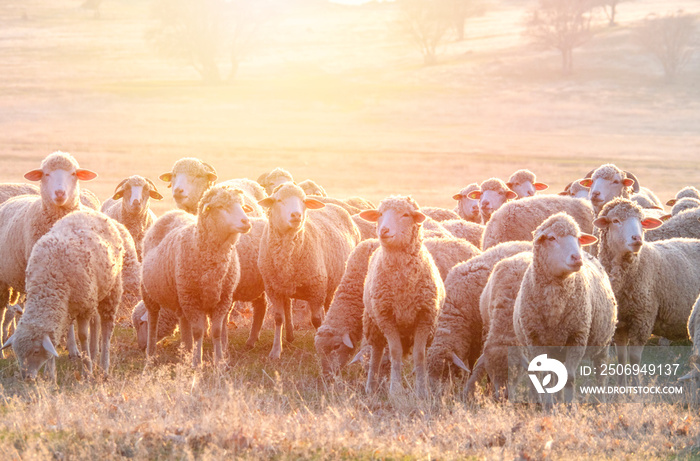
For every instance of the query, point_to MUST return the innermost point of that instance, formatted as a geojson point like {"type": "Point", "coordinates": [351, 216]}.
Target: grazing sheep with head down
{"type": "Point", "coordinates": [403, 293]}
{"type": "Point", "coordinates": [524, 183]}
{"type": "Point", "coordinates": [468, 208]}
{"type": "Point", "coordinates": [76, 271]}
{"type": "Point", "coordinates": [341, 331]}
{"type": "Point", "coordinates": [565, 299]}
{"type": "Point", "coordinates": [492, 194]}
{"type": "Point", "coordinates": [303, 251]}
{"type": "Point", "coordinates": [134, 192]}
{"type": "Point", "coordinates": [655, 283]}
{"type": "Point", "coordinates": [194, 269]}
{"type": "Point", "coordinates": [189, 179]}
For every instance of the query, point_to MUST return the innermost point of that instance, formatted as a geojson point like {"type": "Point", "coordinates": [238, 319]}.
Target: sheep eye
{"type": "Point", "coordinates": [406, 215]}
{"type": "Point", "coordinates": [551, 238]}
{"type": "Point", "coordinates": [73, 174]}
{"type": "Point", "coordinates": [616, 182]}
{"type": "Point", "coordinates": [616, 221]}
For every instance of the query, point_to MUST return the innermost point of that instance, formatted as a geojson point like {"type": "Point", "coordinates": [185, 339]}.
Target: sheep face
{"type": "Point", "coordinates": [223, 211]}
{"type": "Point", "coordinates": [523, 183]}
{"type": "Point", "coordinates": [287, 208]}
{"type": "Point", "coordinates": [397, 221]}
{"type": "Point", "coordinates": [623, 224]}
{"type": "Point", "coordinates": [32, 352]}
{"type": "Point", "coordinates": [494, 193]}
{"type": "Point", "coordinates": [606, 183]}
{"type": "Point", "coordinates": [557, 246]}
{"type": "Point", "coordinates": [59, 175]}
{"type": "Point", "coordinates": [135, 193]}
{"type": "Point", "coordinates": [468, 208]}
{"type": "Point", "coordinates": [189, 179]}
{"type": "Point", "coordinates": [333, 350]}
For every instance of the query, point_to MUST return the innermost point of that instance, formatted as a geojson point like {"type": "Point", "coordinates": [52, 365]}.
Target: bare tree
{"type": "Point", "coordinates": [563, 25]}
{"type": "Point", "coordinates": [427, 22]}
{"type": "Point", "coordinates": [610, 8]}
{"type": "Point", "coordinates": [206, 32]}
{"type": "Point", "coordinates": [669, 39]}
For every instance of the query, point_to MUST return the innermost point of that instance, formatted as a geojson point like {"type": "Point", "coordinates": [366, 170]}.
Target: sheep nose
{"type": "Point", "coordinates": [178, 191]}
{"type": "Point", "coordinates": [245, 221]}
{"type": "Point", "coordinates": [575, 258]}
{"type": "Point", "coordinates": [384, 231]}
{"type": "Point", "coordinates": [485, 203]}
{"type": "Point", "coordinates": [595, 194]}
{"type": "Point", "coordinates": [60, 193]}
{"type": "Point", "coordinates": [636, 238]}
{"type": "Point", "coordinates": [296, 215]}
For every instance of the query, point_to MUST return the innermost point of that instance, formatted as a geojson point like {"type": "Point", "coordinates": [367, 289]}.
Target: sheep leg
{"type": "Point", "coordinates": [83, 331]}
{"type": "Point", "coordinates": [288, 320]}
{"type": "Point", "coordinates": [477, 374]}
{"type": "Point", "coordinates": [4, 301]}
{"type": "Point", "coordinates": [50, 369]}
{"type": "Point", "coordinates": [420, 344]}
{"type": "Point", "coordinates": [396, 356]}
{"type": "Point", "coordinates": [71, 344]}
{"type": "Point", "coordinates": [186, 333]}
{"type": "Point", "coordinates": [574, 355]}
{"type": "Point", "coordinates": [259, 309]}
{"type": "Point", "coordinates": [620, 339]}
{"type": "Point", "coordinates": [106, 336]}
{"type": "Point", "coordinates": [199, 324]}
{"type": "Point", "coordinates": [153, 314]}
{"type": "Point", "coordinates": [375, 361]}
{"type": "Point", "coordinates": [217, 336]}
{"type": "Point", "coordinates": [317, 311]}
{"type": "Point", "coordinates": [94, 337]}
{"type": "Point", "coordinates": [6, 322]}
{"type": "Point", "coordinates": [224, 334]}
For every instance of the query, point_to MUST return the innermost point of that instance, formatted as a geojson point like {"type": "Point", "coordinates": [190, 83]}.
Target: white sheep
{"type": "Point", "coordinates": [468, 208]}
{"type": "Point", "coordinates": [517, 220]}
{"type": "Point", "coordinates": [77, 271]}
{"type": "Point", "coordinates": [272, 179]}
{"type": "Point", "coordinates": [684, 204]}
{"type": "Point", "coordinates": [129, 206]}
{"type": "Point", "coordinates": [403, 293]}
{"type": "Point", "coordinates": [311, 188]}
{"type": "Point", "coordinates": [492, 194]}
{"type": "Point", "coordinates": [194, 270]}
{"type": "Point", "coordinates": [469, 231]}
{"type": "Point", "coordinates": [303, 252]}
{"type": "Point", "coordinates": [686, 192]}
{"type": "Point", "coordinates": [575, 189]}
{"type": "Point", "coordinates": [608, 181]}
{"type": "Point", "coordinates": [655, 283]}
{"type": "Point", "coordinates": [459, 336]}
{"type": "Point", "coordinates": [524, 183]}
{"type": "Point", "coordinates": [189, 178]}
{"type": "Point", "coordinates": [683, 225]}
{"type": "Point", "coordinates": [565, 299]}
{"type": "Point", "coordinates": [341, 330]}
{"type": "Point", "coordinates": [254, 192]}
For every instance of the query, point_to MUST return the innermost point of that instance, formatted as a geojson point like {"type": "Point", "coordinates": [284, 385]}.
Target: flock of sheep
{"type": "Point", "coordinates": [600, 263]}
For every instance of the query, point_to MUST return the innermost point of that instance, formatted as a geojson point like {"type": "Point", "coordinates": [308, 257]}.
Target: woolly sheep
{"type": "Point", "coordinates": [129, 206]}
{"type": "Point", "coordinates": [303, 252]}
{"type": "Point", "coordinates": [253, 193]}
{"type": "Point", "coordinates": [496, 306]}
{"type": "Point", "coordinates": [686, 192]}
{"type": "Point", "coordinates": [458, 338]}
{"type": "Point", "coordinates": [469, 231]}
{"type": "Point", "coordinates": [575, 189]}
{"type": "Point", "coordinates": [655, 283]}
{"type": "Point", "coordinates": [311, 188]}
{"type": "Point", "coordinates": [518, 219]}
{"type": "Point", "coordinates": [679, 206]}
{"type": "Point", "coordinates": [468, 208]}
{"type": "Point", "coordinates": [403, 293]}
{"type": "Point", "coordinates": [341, 330]}
{"type": "Point", "coordinates": [77, 270]}
{"type": "Point", "coordinates": [565, 299]}
{"type": "Point", "coordinates": [439, 214]}
{"type": "Point", "coordinates": [608, 181]}
{"type": "Point", "coordinates": [492, 194]}
{"type": "Point", "coordinates": [189, 178]}
{"type": "Point", "coordinates": [524, 183]}
{"type": "Point", "coordinates": [273, 179]}
{"type": "Point", "coordinates": [194, 270]}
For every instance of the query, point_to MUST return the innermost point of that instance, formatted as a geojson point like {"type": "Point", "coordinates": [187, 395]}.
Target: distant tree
{"type": "Point", "coordinates": [669, 39]}
{"type": "Point", "coordinates": [426, 22]}
{"type": "Point", "coordinates": [563, 25]}
{"type": "Point", "coordinates": [610, 8]}
{"type": "Point", "coordinates": [206, 32]}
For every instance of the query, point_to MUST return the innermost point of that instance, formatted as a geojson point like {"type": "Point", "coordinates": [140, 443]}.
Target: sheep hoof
{"type": "Point", "coordinates": [275, 355]}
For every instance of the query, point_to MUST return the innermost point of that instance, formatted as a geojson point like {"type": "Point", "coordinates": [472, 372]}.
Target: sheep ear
{"type": "Point", "coordinates": [671, 202]}
{"type": "Point", "coordinates": [267, 202]}
{"type": "Point", "coordinates": [651, 223]}
{"type": "Point", "coordinates": [85, 175]}
{"type": "Point", "coordinates": [8, 342]}
{"type": "Point", "coordinates": [510, 195]}
{"type": "Point", "coordinates": [370, 215]}
{"type": "Point", "coordinates": [247, 208]}
{"type": "Point", "coordinates": [166, 177]}
{"type": "Point", "coordinates": [510, 185]}
{"type": "Point", "coordinates": [458, 197]}
{"type": "Point", "coordinates": [118, 194]}
{"type": "Point", "coordinates": [347, 341]}
{"type": "Point", "coordinates": [541, 186]}
{"type": "Point", "coordinates": [474, 195]}
{"type": "Point", "coordinates": [587, 239]}
{"type": "Point", "coordinates": [457, 361]}
{"type": "Point", "coordinates": [564, 193]}
{"type": "Point", "coordinates": [588, 182]}
{"type": "Point", "coordinates": [313, 204]}
{"type": "Point", "coordinates": [665, 217]}
{"type": "Point", "coordinates": [628, 182]}
{"type": "Point", "coordinates": [34, 175]}
{"type": "Point", "coordinates": [155, 195]}
{"type": "Point", "coordinates": [48, 346]}
{"type": "Point", "coordinates": [601, 223]}
{"type": "Point", "coordinates": [418, 217]}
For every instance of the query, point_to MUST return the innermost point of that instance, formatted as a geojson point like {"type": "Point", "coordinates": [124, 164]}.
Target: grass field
{"type": "Point", "coordinates": [335, 94]}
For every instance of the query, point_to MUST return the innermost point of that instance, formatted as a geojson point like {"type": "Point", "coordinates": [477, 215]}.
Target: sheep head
{"type": "Point", "coordinates": [135, 191]}
{"type": "Point", "coordinates": [189, 179]}
{"type": "Point", "coordinates": [398, 222]}
{"type": "Point", "coordinates": [59, 175]}
{"type": "Point", "coordinates": [286, 208]}
{"type": "Point", "coordinates": [622, 223]}
{"type": "Point", "coordinates": [557, 246]}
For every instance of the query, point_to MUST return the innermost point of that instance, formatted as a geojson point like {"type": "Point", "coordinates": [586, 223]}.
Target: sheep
{"type": "Point", "coordinates": [367, 229]}
{"type": "Point", "coordinates": [341, 330]}
{"type": "Point", "coordinates": [469, 231]}
{"type": "Point", "coordinates": [496, 305]}
{"type": "Point", "coordinates": [9, 190]}
{"type": "Point", "coordinates": [458, 338]}
{"type": "Point", "coordinates": [77, 270]}
{"type": "Point", "coordinates": [655, 283]}
{"type": "Point", "coordinates": [189, 179]}
{"type": "Point", "coordinates": [311, 188]}
{"type": "Point", "coordinates": [608, 181]}
{"type": "Point", "coordinates": [524, 183]}
{"type": "Point", "coordinates": [575, 189]}
{"type": "Point", "coordinates": [303, 251]}
{"type": "Point", "coordinates": [403, 293]}
{"type": "Point", "coordinates": [686, 192]}
{"type": "Point", "coordinates": [516, 220]}
{"type": "Point", "coordinates": [439, 214]}
{"type": "Point", "coordinates": [167, 324]}
{"type": "Point", "coordinates": [271, 180]}
{"type": "Point", "coordinates": [492, 194]}
{"type": "Point", "coordinates": [194, 269]}
{"type": "Point", "coordinates": [684, 204]}
{"type": "Point", "coordinates": [253, 193]}
{"type": "Point", "coordinates": [565, 299]}
{"type": "Point", "coordinates": [468, 208]}
{"type": "Point", "coordinates": [683, 225]}
{"type": "Point", "coordinates": [133, 211]}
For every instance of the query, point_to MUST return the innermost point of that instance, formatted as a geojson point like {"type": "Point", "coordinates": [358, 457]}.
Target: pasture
{"type": "Point", "coordinates": [336, 94]}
